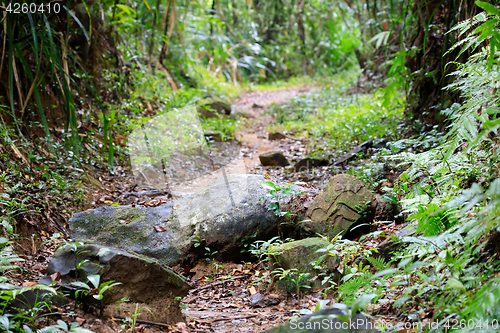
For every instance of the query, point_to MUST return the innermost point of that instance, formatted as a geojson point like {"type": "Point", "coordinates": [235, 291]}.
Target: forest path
{"type": "Point", "coordinates": [228, 297]}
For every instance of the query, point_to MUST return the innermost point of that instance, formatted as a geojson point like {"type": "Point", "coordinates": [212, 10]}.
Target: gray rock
{"type": "Point", "coordinates": [310, 162]}
{"type": "Point", "coordinates": [328, 320]}
{"type": "Point", "coordinates": [299, 255]}
{"type": "Point", "coordinates": [276, 136]}
{"type": "Point", "coordinates": [344, 203]}
{"type": "Point", "coordinates": [213, 107]}
{"type": "Point", "coordinates": [221, 214]}
{"type": "Point", "coordinates": [144, 281]}
{"type": "Point", "coordinates": [273, 158]}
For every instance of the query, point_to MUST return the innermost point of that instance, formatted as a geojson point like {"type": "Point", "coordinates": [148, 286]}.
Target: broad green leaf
{"type": "Point", "coordinates": [94, 279]}
{"type": "Point", "coordinates": [384, 272]}
{"type": "Point", "coordinates": [400, 301]}
{"type": "Point", "coordinates": [404, 262]}
{"type": "Point", "coordinates": [80, 284]}
{"type": "Point", "coordinates": [454, 283]}
{"type": "Point", "coordinates": [488, 24]}
{"type": "Point", "coordinates": [268, 185]}
{"type": "Point", "coordinates": [415, 265]}
{"type": "Point", "coordinates": [488, 7]}
{"type": "Point", "coordinates": [362, 302]}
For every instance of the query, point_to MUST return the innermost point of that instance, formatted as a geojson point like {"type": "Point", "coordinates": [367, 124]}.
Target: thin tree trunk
{"type": "Point", "coordinates": [151, 42]}
{"type": "Point", "coordinates": [169, 26]}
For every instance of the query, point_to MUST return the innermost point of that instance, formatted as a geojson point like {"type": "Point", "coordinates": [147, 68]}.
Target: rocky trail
{"type": "Point", "coordinates": [230, 291]}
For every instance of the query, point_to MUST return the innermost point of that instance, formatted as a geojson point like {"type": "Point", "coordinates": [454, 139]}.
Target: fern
{"type": "Point", "coordinates": [379, 262]}
{"type": "Point", "coordinates": [7, 258]}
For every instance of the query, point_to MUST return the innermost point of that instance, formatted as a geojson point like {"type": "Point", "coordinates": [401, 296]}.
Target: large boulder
{"type": "Point", "coordinates": [220, 215]}
{"type": "Point", "coordinates": [344, 203]}
{"type": "Point", "coordinates": [302, 256]}
{"type": "Point", "coordinates": [143, 281]}
{"type": "Point", "coordinates": [339, 319]}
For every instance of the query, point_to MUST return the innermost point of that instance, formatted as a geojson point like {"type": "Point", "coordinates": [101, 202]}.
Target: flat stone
{"type": "Point", "coordinates": [310, 162]}
{"type": "Point", "coordinates": [276, 136]}
{"type": "Point", "coordinates": [273, 159]}
{"type": "Point", "coordinates": [213, 107]}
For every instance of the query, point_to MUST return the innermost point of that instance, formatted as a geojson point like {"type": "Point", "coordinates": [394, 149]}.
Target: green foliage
{"type": "Point", "coordinates": [261, 249]}
{"type": "Point", "coordinates": [277, 193]}
{"type": "Point", "coordinates": [131, 319]}
{"type": "Point", "coordinates": [332, 119]}
{"type": "Point", "coordinates": [61, 326]}
{"type": "Point", "coordinates": [98, 289]}
{"type": "Point", "coordinates": [451, 192]}
{"type": "Point", "coordinates": [292, 279]}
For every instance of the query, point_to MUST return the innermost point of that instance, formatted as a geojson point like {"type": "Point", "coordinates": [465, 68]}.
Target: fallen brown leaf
{"type": "Point", "coordinates": [55, 276]}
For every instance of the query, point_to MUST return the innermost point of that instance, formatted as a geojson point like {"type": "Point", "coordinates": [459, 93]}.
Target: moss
{"type": "Point", "coordinates": [126, 232]}
{"type": "Point", "coordinates": [90, 222]}
{"type": "Point", "coordinates": [125, 213]}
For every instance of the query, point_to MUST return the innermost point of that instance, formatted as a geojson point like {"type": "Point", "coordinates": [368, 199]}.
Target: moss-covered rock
{"type": "Point", "coordinates": [222, 215]}
{"type": "Point", "coordinates": [144, 281]}
{"type": "Point", "coordinates": [302, 256]}
{"type": "Point", "coordinates": [344, 204]}
{"type": "Point", "coordinates": [213, 107]}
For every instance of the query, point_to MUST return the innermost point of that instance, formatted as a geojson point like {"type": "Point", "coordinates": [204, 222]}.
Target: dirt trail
{"type": "Point", "coordinates": [229, 297]}
{"type": "Point", "coordinates": [226, 297]}
{"type": "Point", "coordinates": [254, 136]}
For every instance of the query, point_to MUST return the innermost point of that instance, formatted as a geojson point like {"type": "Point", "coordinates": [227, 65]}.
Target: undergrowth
{"type": "Point", "coordinates": [335, 120]}
{"type": "Point", "coordinates": [447, 269]}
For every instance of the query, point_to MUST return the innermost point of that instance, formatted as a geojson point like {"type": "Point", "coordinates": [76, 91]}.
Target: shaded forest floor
{"type": "Point", "coordinates": [226, 297]}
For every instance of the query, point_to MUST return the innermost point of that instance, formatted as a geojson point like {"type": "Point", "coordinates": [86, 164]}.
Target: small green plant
{"type": "Point", "coordinates": [197, 240]}
{"type": "Point", "coordinates": [131, 320]}
{"type": "Point", "coordinates": [182, 305]}
{"type": "Point", "coordinates": [261, 249]}
{"type": "Point", "coordinates": [247, 246]}
{"type": "Point", "coordinates": [99, 288]}
{"type": "Point", "coordinates": [292, 278]}
{"type": "Point", "coordinates": [276, 193]}
{"type": "Point", "coordinates": [60, 327]}
{"type": "Point", "coordinates": [379, 263]}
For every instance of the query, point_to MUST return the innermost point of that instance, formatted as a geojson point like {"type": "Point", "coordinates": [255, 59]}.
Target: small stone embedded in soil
{"type": "Point", "coordinates": [298, 255]}
{"type": "Point", "coordinates": [273, 159]}
{"type": "Point", "coordinates": [276, 136]}
{"type": "Point", "coordinates": [310, 162]}
{"type": "Point", "coordinates": [213, 107]}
